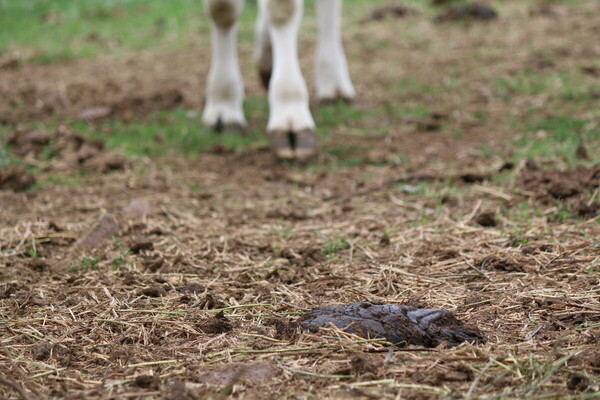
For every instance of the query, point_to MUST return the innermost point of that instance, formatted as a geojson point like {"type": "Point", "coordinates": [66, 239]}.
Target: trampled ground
{"type": "Point", "coordinates": [142, 256]}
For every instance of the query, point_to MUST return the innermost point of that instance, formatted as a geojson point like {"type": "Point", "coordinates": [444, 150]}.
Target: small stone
{"type": "Point", "coordinates": [137, 208]}
{"type": "Point", "coordinates": [104, 229]}
{"type": "Point", "coordinates": [95, 113]}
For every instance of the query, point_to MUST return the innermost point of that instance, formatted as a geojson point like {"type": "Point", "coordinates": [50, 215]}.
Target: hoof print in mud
{"type": "Point", "coordinates": [401, 325]}
{"type": "Point", "coordinates": [290, 145]}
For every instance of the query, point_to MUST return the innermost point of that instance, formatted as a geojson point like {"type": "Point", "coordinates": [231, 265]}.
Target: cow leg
{"type": "Point", "coordinates": [263, 48]}
{"type": "Point", "coordinates": [225, 87]}
{"type": "Point", "coordinates": [332, 76]}
{"type": "Point", "coordinates": [291, 126]}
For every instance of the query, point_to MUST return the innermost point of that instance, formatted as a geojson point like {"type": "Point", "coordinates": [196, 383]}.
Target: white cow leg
{"type": "Point", "coordinates": [332, 77]}
{"type": "Point", "coordinates": [225, 87]}
{"type": "Point", "coordinates": [263, 50]}
{"type": "Point", "coordinates": [291, 126]}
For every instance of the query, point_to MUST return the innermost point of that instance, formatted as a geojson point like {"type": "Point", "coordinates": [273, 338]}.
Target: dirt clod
{"type": "Point", "coordinates": [210, 302]}
{"type": "Point", "coordinates": [571, 189]}
{"type": "Point", "coordinates": [391, 10]}
{"type": "Point", "coordinates": [500, 264]}
{"type": "Point", "coordinates": [41, 351]}
{"type": "Point", "coordinates": [38, 264]}
{"type": "Point", "coordinates": [64, 149]}
{"type": "Point", "coordinates": [581, 152]}
{"type": "Point", "coordinates": [15, 177]}
{"type": "Point", "coordinates": [560, 184]}
{"type": "Point", "coordinates": [594, 359]}
{"type": "Point", "coordinates": [284, 329]}
{"type": "Point", "coordinates": [154, 291]}
{"type": "Point", "coordinates": [471, 12]}
{"type": "Point", "coordinates": [192, 288]}
{"type": "Point", "coordinates": [401, 325]}
{"type": "Point", "coordinates": [153, 264]}
{"type": "Point", "coordinates": [141, 244]}
{"type": "Point", "coordinates": [215, 325]}
{"type": "Point", "coordinates": [586, 210]}
{"type": "Point", "coordinates": [105, 162]}
{"type": "Point", "coordinates": [147, 381]}
{"type": "Point", "coordinates": [362, 364]}
{"type": "Point", "coordinates": [130, 107]}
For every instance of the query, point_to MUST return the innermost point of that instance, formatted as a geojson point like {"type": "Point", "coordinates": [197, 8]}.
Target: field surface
{"type": "Point", "coordinates": [144, 256]}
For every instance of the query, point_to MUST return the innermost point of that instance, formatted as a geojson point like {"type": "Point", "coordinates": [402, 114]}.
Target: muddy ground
{"type": "Point", "coordinates": [183, 277]}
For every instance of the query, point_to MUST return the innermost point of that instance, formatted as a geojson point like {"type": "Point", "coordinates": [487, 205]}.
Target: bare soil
{"type": "Point", "coordinates": [186, 278]}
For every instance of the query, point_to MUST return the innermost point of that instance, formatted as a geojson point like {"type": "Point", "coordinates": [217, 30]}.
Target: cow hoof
{"type": "Point", "coordinates": [235, 127]}
{"type": "Point", "coordinates": [290, 145]}
{"type": "Point", "coordinates": [328, 101]}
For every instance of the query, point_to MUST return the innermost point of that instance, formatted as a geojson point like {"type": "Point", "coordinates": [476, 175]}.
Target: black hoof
{"type": "Point", "coordinates": [289, 145]}
{"type": "Point", "coordinates": [328, 101]}
{"type": "Point", "coordinates": [235, 127]}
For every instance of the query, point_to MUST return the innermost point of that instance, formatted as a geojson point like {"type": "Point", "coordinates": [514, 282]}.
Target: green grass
{"type": "Point", "coordinates": [58, 29]}
{"type": "Point", "coordinates": [88, 263]}
{"type": "Point", "coordinates": [46, 31]}
{"type": "Point", "coordinates": [6, 158]}
{"type": "Point", "coordinates": [531, 82]}
{"type": "Point", "coordinates": [54, 30]}
{"type": "Point", "coordinates": [182, 131]}
{"type": "Point", "coordinates": [121, 261]}
{"type": "Point", "coordinates": [333, 246]}
{"type": "Point", "coordinates": [558, 137]}
{"type": "Point", "coordinates": [176, 130]}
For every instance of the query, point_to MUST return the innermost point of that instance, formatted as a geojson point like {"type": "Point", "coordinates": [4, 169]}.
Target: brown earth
{"type": "Point", "coordinates": [186, 277]}
{"type": "Point", "coordinates": [15, 177]}
{"type": "Point", "coordinates": [67, 149]}
{"type": "Point", "coordinates": [572, 186]}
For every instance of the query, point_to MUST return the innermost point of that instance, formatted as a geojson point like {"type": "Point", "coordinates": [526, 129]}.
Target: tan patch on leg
{"type": "Point", "coordinates": [281, 11]}
{"type": "Point", "coordinates": [265, 64]}
{"type": "Point", "coordinates": [222, 12]}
